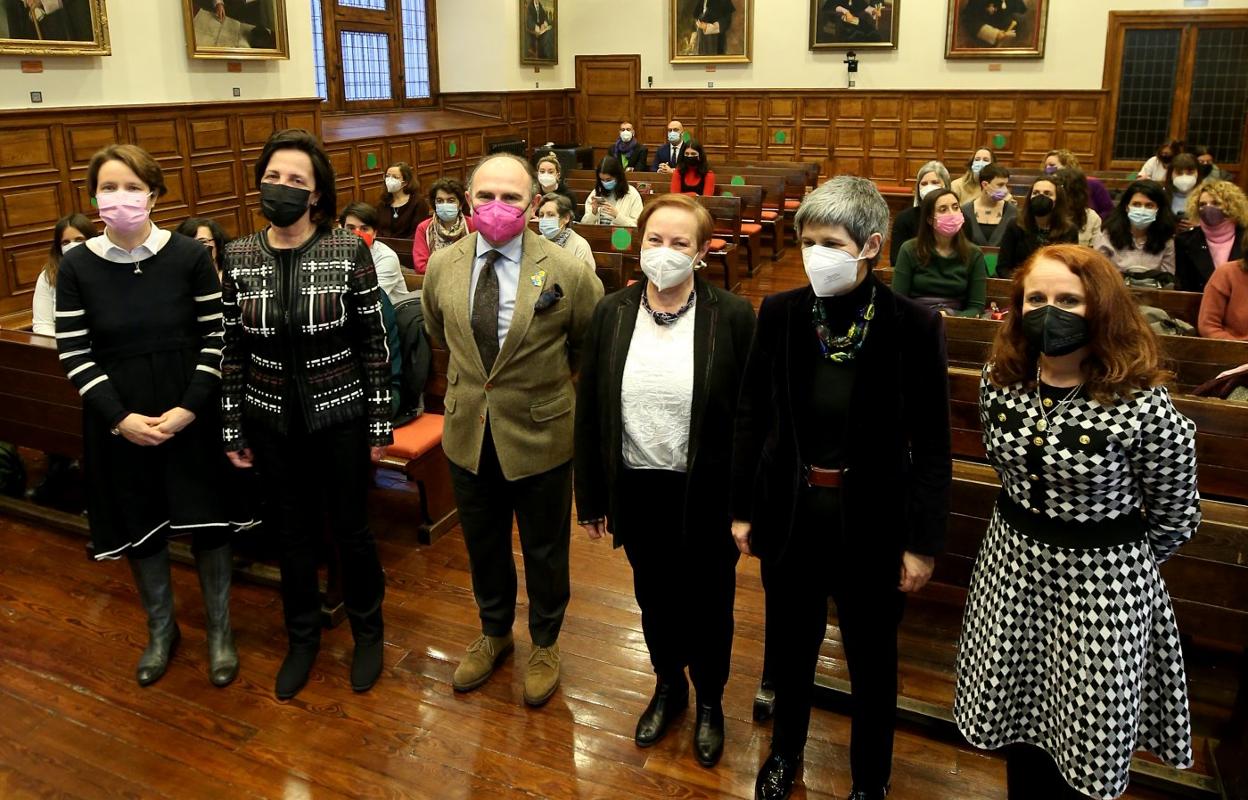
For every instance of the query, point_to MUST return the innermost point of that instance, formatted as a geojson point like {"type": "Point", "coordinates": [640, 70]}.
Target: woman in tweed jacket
{"type": "Point", "coordinates": [306, 393]}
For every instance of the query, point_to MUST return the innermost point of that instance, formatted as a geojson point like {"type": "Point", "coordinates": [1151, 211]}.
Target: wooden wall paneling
{"type": "Point", "coordinates": [399, 151]}
{"type": "Point", "coordinates": [25, 151]}
{"type": "Point", "coordinates": [215, 182]}
{"type": "Point", "coordinates": [255, 129]}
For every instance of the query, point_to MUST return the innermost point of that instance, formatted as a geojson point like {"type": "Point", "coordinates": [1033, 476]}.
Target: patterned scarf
{"type": "Point", "coordinates": [562, 237]}
{"type": "Point", "coordinates": [664, 318]}
{"type": "Point", "coordinates": [437, 238]}
{"type": "Point", "coordinates": [842, 349]}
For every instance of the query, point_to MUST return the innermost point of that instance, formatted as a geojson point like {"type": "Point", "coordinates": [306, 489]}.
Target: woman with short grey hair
{"type": "Point", "coordinates": [930, 177]}
{"type": "Point", "coordinates": [554, 220]}
{"type": "Point", "coordinates": [830, 505]}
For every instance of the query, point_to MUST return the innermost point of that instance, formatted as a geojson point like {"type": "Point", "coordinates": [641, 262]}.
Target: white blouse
{"type": "Point", "coordinates": [43, 309]}
{"type": "Point", "coordinates": [627, 210]}
{"type": "Point", "coordinates": [656, 396]}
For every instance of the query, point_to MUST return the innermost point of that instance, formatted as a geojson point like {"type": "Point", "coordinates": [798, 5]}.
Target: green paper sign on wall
{"type": "Point", "coordinates": [370, 161]}
{"type": "Point", "coordinates": [686, 137]}
{"type": "Point", "coordinates": [452, 148]}
{"type": "Point", "coordinates": [621, 239]}
{"type": "Point", "coordinates": [737, 180]}
{"type": "Point", "coordinates": [998, 141]}
{"type": "Point", "coordinates": [781, 137]}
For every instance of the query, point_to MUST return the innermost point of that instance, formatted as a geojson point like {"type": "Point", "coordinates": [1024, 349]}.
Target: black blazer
{"type": "Point", "coordinates": [905, 228]}
{"type": "Point", "coordinates": [666, 155]}
{"type": "Point", "coordinates": [899, 468]}
{"type": "Point", "coordinates": [723, 326]}
{"type": "Point", "coordinates": [1192, 262]}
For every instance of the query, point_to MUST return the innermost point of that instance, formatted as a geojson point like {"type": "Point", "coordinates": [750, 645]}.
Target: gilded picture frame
{"type": "Point", "coordinates": [996, 29]}
{"type": "Point", "coordinates": [539, 33]}
{"type": "Point", "coordinates": [236, 30]}
{"type": "Point", "coordinates": [54, 28]}
{"type": "Point", "coordinates": [854, 24]}
{"type": "Point", "coordinates": [711, 31]}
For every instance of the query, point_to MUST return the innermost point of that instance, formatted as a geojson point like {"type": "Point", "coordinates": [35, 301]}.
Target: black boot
{"type": "Point", "coordinates": [863, 794]}
{"type": "Point", "coordinates": [764, 701]}
{"type": "Point", "coordinates": [215, 568]}
{"type": "Point", "coordinates": [151, 576]}
{"type": "Point", "coordinates": [708, 734]}
{"type": "Point", "coordinates": [670, 698]}
{"type": "Point", "coordinates": [366, 665]}
{"type": "Point", "coordinates": [776, 778]}
{"type": "Point", "coordinates": [296, 668]}
{"type": "Point", "coordinates": [364, 590]}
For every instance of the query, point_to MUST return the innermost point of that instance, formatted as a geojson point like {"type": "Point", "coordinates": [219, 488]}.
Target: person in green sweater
{"type": "Point", "coordinates": [940, 268]}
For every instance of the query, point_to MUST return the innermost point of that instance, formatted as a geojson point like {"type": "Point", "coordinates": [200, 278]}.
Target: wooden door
{"type": "Point", "coordinates": [607, 87]}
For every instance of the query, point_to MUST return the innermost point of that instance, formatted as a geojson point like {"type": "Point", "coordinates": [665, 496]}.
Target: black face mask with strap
{"type": "Point", "coordinates": [1054, 331]}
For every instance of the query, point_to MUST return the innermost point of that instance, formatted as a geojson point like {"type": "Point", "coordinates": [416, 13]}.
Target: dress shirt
{"type": "Point", "coordinates": [108, 250]}
{"type": "Point", "coordinates": [507, 268]}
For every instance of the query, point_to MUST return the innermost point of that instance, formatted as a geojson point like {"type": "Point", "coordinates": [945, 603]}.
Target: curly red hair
{"type": "Point", "coordinates": [1123, 353]}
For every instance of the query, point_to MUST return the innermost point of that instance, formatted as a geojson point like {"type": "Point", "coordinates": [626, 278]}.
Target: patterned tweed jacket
{"type": "Point", "coordinates": [308, 340]}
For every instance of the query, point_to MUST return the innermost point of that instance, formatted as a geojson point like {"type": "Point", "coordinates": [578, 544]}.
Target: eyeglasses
{"type": "Point", "coordinates": [206, 242]}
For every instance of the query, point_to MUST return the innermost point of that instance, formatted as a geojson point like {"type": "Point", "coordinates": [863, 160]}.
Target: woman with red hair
{"type": "Point", "coordinates": [1070, 654]}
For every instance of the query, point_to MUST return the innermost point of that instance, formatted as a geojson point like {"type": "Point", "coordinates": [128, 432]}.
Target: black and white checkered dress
{"type": "Point", "coordinates": [1075, 650]}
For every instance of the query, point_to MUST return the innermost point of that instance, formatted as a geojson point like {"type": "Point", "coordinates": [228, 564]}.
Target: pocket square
{"type": "Point", "coordinates": [548, 298]}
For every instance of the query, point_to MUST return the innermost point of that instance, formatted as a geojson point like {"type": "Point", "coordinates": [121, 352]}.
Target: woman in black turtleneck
{"type": "Point", "coordinates": [841, 475]}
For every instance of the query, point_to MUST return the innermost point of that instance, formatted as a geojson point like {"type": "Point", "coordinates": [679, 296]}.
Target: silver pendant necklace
{"type": "Point", "coordinates": [1043, 424]}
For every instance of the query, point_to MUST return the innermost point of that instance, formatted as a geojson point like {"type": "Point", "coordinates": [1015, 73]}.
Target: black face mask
{"type": "Point", "coordinates": [1165, 159]}
{"type": "Point", "coordinates": [1204, 171]}
{"type": "Point", "coordinates": [1040, 205]}
{"type": "Point", "coordinates": [283, 205]}
{"type": "Point", "coordinates": [1054, 331]}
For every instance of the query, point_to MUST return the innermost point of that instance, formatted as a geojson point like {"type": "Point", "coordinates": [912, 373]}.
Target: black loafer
{"type": "Point", "coordinates": [764, 701]}
{"type": "Point", "coordinates": [708, 734]}
{"type": "Point", "coordinates": [670, 699]}
{"type": "Point", "coordinates": [775, 780]}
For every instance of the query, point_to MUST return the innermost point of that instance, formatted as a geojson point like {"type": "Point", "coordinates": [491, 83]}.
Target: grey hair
{"type": "Point", "coordinates": [849, 201]}
{"type": "Point", "coordinates": [563, 206]}
{"type": "Point", "coordinates": [932, 166]}
{"type": "Point", "coordinates": [534, 186]}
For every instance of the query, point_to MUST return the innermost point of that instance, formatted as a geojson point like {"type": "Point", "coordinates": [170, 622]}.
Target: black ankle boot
{"type": "Point", "coordinates": [776, 778]}
{"type": "Point", "coordinates": [708, 734]}
{"type": "Point", "coordinates": [764, 701]}
{"type": "Point", "coordinates": [215, 568]}
{"type": "Point", "coordinates": [151, 576]}
{"type": "Point", "coordinates": [670, 698]}
{"type": "Point", "coordinates": [366, 665]}
{"type": "Point", "coordinates": [296, 668]}
{"type": "Point", "coordinates": [863, 794]}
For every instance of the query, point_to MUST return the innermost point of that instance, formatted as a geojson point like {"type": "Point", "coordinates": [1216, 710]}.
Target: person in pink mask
{"type": "Point", "coordinates": [940, 268]}
{"type": "Point", "coordinates": [512, 308]}
{"type": "Point", "coordinates": [138, 327]}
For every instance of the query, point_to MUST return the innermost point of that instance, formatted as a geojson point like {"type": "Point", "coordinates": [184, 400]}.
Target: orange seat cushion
{"type": "Point", "coordinates": [791, 205]}
{"type": "Point", "coordinates": [770, 215]}
{"type": "Point", "coordinates": [751, 228]}
{"type": "Point", "coordinates": [718, 244]}
{"type": "Point", "coordinates": [417, 437]}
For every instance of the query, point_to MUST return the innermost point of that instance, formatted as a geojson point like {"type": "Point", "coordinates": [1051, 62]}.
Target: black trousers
{"type": "Point", "coordinates": [861, 575]}
{"type": "Point", "coordinates": [542, 506]}
{"type": "Point", "coordinates": [1031, 774]}
{"type": "Point", "coordinates": [311, 480]}
{"type": "Point", "coordinates": [685, 583]}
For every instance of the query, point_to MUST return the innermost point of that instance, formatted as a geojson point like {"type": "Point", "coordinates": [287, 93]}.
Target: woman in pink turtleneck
{"type": "Point", "coordinates": [1224, 308]}
{"type": "Point", "coordinates": [1223, 213]}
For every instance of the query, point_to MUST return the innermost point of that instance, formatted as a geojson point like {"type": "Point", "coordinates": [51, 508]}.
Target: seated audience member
{"type": "Point", "coordinates": [1099, 198]}
{"type": "Point", "coordinates": [989, 214]}
{"type": "Point", "coordinates": [627, 149]}
{"type": "Point", "coordinates": [1221, 211]}
{"type": "Point", "coordinates": [70, 231]}
{"type": "Point", "coordinates": [1205, 168]}
{"type": "Point", "coordinates": [1074, 185]}
{"type": "Point", "coordinates": [613, 201]}
{"type": "Point", "coordinates": [1155, 167]}
{"type": "Point", "coordinates": [668, 155]}
{"type": "Point", "coordinates": [930, 177]}
{"type": "Point", "coordinates": [939, 268]}
{"type": "Point", "coordinates": [401, 207]}
{"type": "Point", "coordinates": [208, 233]}
{"type": "Point", "coordinates": [1224, 308]}
{"type": "Point", "coordinates": [361, 219]}
{"type": "Point", "coordinates": [1181, 179]}
{"type": "Point", "coordinates": [967, 187]}
{"type": "Point", "coordinates": [693, 175]}
{"type": "Point", "coordinates": [1044, 219]}
{"type": "Point", "coordinates": [550, 176]}
{"type": "Point", "coordinates": [1140, 232]}
{"type": "Point", "coordinates": [450, 222]}
{"type": "Point", "coordinates": [554, 220]}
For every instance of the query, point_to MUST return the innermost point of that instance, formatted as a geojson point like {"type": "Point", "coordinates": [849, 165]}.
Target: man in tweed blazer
{"type": "Point", "coordinates": [512, 309]}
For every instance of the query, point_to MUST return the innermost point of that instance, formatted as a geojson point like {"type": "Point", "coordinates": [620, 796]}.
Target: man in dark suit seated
{"type": "Point", "coordinates": [667, 156]}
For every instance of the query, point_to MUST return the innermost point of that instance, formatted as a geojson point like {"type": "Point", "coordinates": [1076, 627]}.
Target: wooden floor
{"type": "Point", "coordinates": [74, 724]}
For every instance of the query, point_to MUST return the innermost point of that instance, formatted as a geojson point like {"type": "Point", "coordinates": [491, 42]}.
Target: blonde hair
{"type": "Point", "coordinates": [1230, 197]}
{"type": "Point", "coordinates": [550, 158]}
{"type": "Point", "coordinates": [1066, 158]}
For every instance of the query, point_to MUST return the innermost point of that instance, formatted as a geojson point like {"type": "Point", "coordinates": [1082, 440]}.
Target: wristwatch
{"type": "Point", "coordinates": [116, 431]}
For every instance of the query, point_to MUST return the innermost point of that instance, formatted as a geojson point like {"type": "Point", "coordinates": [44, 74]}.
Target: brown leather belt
{"type": "Point", "coordinates": [823, 478]}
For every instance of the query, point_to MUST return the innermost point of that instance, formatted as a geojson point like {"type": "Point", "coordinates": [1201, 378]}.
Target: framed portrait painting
{"type": "Point", "coordinates": [236, 29]}
{"type": "Point", "coordinates": [996, 28]}
{"type": "Point", "coordinates": [539, 32]}
{"type": "Point", "coordinates": [53, 28]}
{"type": "Point", "coordinates": [712, 31]}
{"type": "Point", "coordinates": [853, 24]}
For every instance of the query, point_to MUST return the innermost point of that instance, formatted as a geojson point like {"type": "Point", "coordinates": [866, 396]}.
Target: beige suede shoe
{"type": "Point", "coordinates": [479, 662]}
{"type": "Point", "coordinates": [542, 678]}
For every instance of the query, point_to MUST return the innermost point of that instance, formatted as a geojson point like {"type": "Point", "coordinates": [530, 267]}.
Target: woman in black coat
{"type": "Point", "coordinates": [660, 373]}
{"type": "Point", "coordinates": [841, 474]}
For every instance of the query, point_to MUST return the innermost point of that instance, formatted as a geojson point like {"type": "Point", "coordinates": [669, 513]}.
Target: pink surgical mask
{"type": "Point", "coordinates": [498, 222]}
{"type": "Point", "coordinates": [949, 224]}
{"type": "Point", "coordinates": [124, 212]}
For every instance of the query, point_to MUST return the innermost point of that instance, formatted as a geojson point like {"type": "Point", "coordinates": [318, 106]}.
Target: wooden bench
{"type": "Point", "coordinates": [611, 271]}
{"type": "Point", "coordinates": [402, 248]}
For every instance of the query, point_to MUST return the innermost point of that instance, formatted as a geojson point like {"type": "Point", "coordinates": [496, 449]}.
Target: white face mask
{"type": "Point", "coordinates": [393, 184]}
{"type": "Point", "coordinates": [65, 248]}
{"type": "Point", "coordinates": [547, 179]}
{"type": "Point", "coordinates": [665, 267]}
{"type": "Point", "coordinates": [831, 270]}
{"type": "Point", "coordinates": [924, 191]}
{"type": "Point", "coordinates": [626, 136]}
{"type": "Point", "coordinates": [1184, 183]}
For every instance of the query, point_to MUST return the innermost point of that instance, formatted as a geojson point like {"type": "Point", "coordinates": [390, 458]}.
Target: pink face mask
{"type": "Point", "coordinates": [498, 222]}
{"type": "Point", "coordinates": [124, 212]}
{"type": "Point", "coordinates": [949, 224]}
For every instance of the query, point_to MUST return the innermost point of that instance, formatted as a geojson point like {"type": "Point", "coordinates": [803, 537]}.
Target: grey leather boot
{"type": "Point", "coordinates": [215, 568]}
{"type": "Point", "coordinates": [151, 576]}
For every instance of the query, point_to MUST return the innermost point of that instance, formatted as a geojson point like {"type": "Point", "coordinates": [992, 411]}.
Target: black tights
{"type": "Point", "coordinates": [1031, 774]}
{"type": "Point", "coordinates": [202, 540]}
